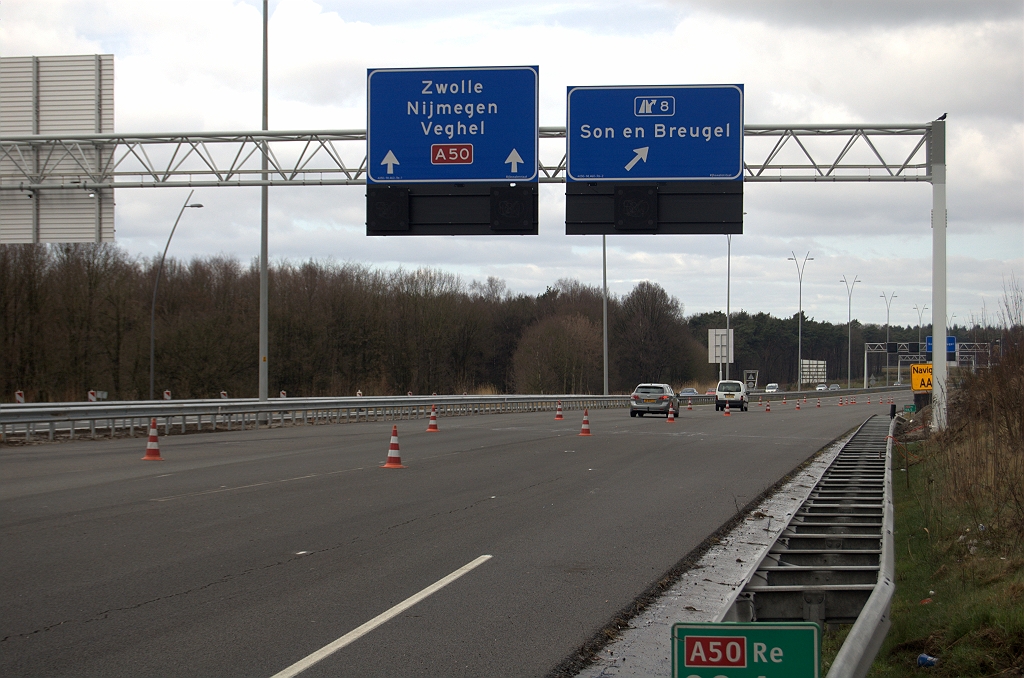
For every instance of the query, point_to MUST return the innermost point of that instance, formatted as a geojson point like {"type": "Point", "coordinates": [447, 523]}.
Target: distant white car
{"type": "Point", "coordinates": [821, 387]}
{"type": "Point", "coordinates": [771, 388]}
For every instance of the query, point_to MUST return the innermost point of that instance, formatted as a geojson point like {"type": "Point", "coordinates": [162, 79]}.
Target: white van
{"type": "Point", "coordinates": [733, 393]}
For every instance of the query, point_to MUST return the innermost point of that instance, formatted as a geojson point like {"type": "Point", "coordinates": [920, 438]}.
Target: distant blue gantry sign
{"type": "Point", "coordinates": [656, 133]}
{"type": "Point", "coordinates": [446, 125]}
{"type": "Point", "coordinates": [950, 344]}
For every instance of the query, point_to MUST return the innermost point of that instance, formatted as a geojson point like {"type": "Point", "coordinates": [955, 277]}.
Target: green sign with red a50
{"type": "Point", "coordinates": [747, 650]}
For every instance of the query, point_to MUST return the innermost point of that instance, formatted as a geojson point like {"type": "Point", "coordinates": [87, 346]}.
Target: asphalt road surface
{"type": "Point", "coordinates": [244, 552]}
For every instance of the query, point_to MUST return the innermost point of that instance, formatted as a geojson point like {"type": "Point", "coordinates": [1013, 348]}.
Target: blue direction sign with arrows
{"type": "Point", "coordinates": [452, 125]}
{"type": "Point", "coordinates": [657, 133]}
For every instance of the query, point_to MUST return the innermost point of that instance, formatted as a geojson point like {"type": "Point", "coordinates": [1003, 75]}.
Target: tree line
{"type": "Point", "coordinates": [76, 317]}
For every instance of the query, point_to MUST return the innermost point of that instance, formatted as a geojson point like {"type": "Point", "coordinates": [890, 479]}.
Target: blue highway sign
{"type": "Point", "coordinates": [452, 125]}
{"type": "Point", "coordinates": [950, 344]}
{"type": "Point", "coordinates": [657, 133]}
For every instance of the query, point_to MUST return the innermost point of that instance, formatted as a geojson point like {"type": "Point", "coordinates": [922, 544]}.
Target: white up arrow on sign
{"type": "Point", "coordinates": [390, 160]}
{"type": "Point", "coordinates": [515, 159]}
{"type": "Point", "coordinates": [641, 154]}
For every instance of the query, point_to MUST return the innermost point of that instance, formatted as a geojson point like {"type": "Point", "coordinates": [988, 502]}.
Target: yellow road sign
{"type": "Point", "coordinates": [921, 377]}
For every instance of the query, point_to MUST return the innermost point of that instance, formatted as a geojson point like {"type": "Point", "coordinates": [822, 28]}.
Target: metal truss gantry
{"type": "Point", "coordinates": [776, 153]}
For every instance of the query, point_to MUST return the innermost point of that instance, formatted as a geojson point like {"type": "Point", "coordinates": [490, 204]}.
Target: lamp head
{"type": "Point", "coordinates": [195, 204]}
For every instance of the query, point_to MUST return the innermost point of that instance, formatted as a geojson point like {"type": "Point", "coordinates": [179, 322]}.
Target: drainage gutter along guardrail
{"type": "Point", "coordinates": [865, 638]}
{"type": "Point", "coordinates": [833, 562]}
{"type": "Point", "coordinates": [250, 412]}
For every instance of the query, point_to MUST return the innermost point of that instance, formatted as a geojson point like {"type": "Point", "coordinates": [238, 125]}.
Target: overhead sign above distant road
{"type": "Point", "coordinates": [657, 133]}
{"type": "Point", "coordinates": [452, 125]}
{"type": "Point", "coordinates": [950, 344]}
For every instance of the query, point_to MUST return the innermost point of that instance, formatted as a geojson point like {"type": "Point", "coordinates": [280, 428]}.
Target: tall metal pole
{"type": "Point", "coordinates": [604, 279]}
{"type": "Point", "coordinates": [156, 285]}
{"type": "Point", "coordinates": [888, 303]}
{"type": "Point", "coordinates": [849, 327]}
{"type": "Point", "coordinates": [264, 206]}
{"type": "Point", "coordinates": [800, 317]}
{"type": "Point", "coordinates": [937, 167]}
{"type": "Point", "coordinates": [728, 295]}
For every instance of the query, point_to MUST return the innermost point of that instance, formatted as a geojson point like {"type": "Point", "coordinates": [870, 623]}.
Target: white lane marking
{"type": "Point", "coordinates": [357, 633]}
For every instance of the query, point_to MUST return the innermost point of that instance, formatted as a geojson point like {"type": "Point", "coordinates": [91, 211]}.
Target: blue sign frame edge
{"type": "Point", "coordinates": [535, 178]}
{"type": "Point", "coordinates": [568, 134]}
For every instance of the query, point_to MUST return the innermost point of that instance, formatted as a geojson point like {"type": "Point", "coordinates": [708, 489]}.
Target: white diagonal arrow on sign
{"type": "Point", "coordinates": [641, 154]}
{"type": "Point", "coordinates": [390, 160]}
{"type": "Point", "coordinates": [515, 159]}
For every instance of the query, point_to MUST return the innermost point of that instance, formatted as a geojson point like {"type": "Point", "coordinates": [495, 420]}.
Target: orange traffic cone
{"type": "Point", "coordinates": [840, 401]}
{"type": "Point", "coordinates": [671, 417]}
{"type": "Point", "coordinates": [768, 406]}
{"type": "Point", "coordinates": [727, 413]}
{"type": "Point", "coordinates": [819, 403]}
{"type": "Point", "coordinates": [558, 411]}
{"type": "Point", "coordinates": [394, 457]}
{"type": "Point", "coordinates": [783, 400]}
{"type": "Point", "coordinates": [805, 400]}
{"type": "Point", "coordinates": [689, 403]}
{"type": "Point", "coordinates": [432, 426]}
{"type": "Point", "coordinates": [153, 446]}
{"type": "Point", "coordinates": [869, 400]}
{"type": "Point", "coordinates": [798, 405]}
{"type": "Point", "coordinates": [585, 431]}
{"type": "Point", "coordinates": [759, 401]}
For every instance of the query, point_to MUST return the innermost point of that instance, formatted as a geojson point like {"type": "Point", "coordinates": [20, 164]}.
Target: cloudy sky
{"type": "Point", "coordinates": [194, 65]}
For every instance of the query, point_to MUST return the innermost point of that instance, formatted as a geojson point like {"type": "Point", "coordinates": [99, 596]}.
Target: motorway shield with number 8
{"type": "Point", "coordinates": [748, 650]}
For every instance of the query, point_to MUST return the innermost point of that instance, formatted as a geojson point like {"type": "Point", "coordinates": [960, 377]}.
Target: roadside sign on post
{"type": "Point", "coordinates": [452, 125]}
{"type": "Point", "coordinates": [656, 133]}
{"type": "Point", "coordinates": [750, 377]}
{"type": "Point", "coordinates": [921, 377]}
{"type": "Point", "coordinates": [747, 650]}
{"type": "Point", "coordinates": [720, 348]}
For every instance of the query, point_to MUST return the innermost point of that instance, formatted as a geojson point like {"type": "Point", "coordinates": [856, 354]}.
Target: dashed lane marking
{"type": "Point", "coordinates": [357, 633]}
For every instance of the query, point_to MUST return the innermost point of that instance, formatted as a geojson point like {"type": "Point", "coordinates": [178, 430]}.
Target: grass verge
{"type": "Point", "coordinates": [959, 584]}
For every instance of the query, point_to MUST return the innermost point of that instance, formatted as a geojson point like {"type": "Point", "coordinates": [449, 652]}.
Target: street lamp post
{"type": "Point", "coordinates": [849, 327]}
{"type": "Point", "coordinates": [156, 285]}
{"type": "Point", "coordinates": [888, 304]}
{"type": "Point", "coordinates": [800, 317]}
{"type": "Point", "coordinates": [920, 318]}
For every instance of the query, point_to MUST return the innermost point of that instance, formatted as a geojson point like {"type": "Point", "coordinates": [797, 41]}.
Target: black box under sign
{"type": "Point", "coordinates": [669, 207]}
{"type": "Point", "coordinates": [452, 209]}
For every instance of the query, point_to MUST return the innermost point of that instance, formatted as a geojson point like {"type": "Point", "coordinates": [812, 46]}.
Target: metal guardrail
{"type": "Point", "coordinates": [834, 561]}
{"type": "Point", "coordinates": [858, 652]}
{"type": "Point", "coordinates": [221, 414]}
